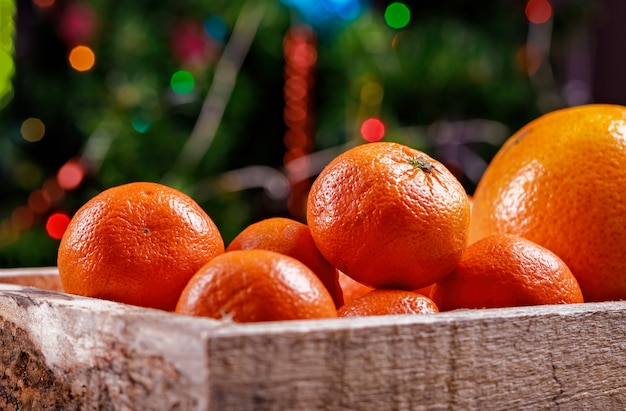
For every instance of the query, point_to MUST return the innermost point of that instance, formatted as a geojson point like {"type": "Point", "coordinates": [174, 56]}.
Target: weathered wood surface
{"type": "Point", "coordinates": [66, 352]}
{"type": "Point", "coordinates": [44, 277]}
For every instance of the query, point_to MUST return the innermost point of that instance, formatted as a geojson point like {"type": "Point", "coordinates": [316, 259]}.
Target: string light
{"type": "Point", "coordinates": [529, 58]}
{"type": "Point", "coordinates": [38, 201]}
{"type": "Point", "coordinates": [56, 224]}
{"type": "Point", "coordinates": [216, 27]}
{"type": "Point", "coordinates": [300, 58]}
{"type": "Point", "coordinates": [372, 93]}
{"type": "Point", "coordinates": [44, 3]}
{"type": "Point", "coordinates": [32, 129]}
{"type": "Point", "coordinates": [182, 82]}
{"type": "Point", "coordinates": [397, 15]}
{"type": "Point", "coordinates": [53, 190]}
{"type": "Point", "coordinates": [538, 11]}
{"type": "Point", "coordinates": [70, 175]}
{"type": "Point", "coordinates": [22, 218]}
{"type": "Point", "coordinates": [82, 58]}
{"type": "Point", "coordinates": [140, 125]}
{"type": "Point", "coordinates": [7, 35]}
{"type": "Point", "coordinates": [372, 130]}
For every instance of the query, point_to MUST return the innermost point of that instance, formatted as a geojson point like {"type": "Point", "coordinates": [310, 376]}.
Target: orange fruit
{"type": "Point", "coordinates": [559, 181]}
{"type": "Point", "coordinates": [425, 290]}
{"type": "Point", "coordinates": [256, 285]}
{"type": "Point", "coordinates": [138, 244]}
{"type": "Point", "coordinates": [292, 238]}
{"type": "Point", "coordinates": [388, 302]}
{"type": "Point", "coordinates": [389, 216]}
{"type": "Point", "coordinates": [352, 289]}
{"type": "Point", "coordinates": [505, 270]}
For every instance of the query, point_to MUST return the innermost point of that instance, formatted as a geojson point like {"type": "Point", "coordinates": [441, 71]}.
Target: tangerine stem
{"type": "Point", "coordinates": [421, 162]}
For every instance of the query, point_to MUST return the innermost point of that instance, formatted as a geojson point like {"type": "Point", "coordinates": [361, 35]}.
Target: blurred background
{"type": "Point", "coordinates": [240, 103]}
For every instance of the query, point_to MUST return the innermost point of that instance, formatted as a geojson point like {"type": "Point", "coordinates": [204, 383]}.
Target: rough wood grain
{"type": "Point", "coordinates": [66, 352]}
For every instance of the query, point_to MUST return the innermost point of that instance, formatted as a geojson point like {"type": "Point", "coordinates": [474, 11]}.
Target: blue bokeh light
{"type": "Point", "coordinates": [215, 27]}
{"type": "Point", "coordinates": [325, 12]}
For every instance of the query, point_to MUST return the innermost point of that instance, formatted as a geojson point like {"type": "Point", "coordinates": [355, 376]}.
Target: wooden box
{"type": "Point", "coordinates": [67, 353]}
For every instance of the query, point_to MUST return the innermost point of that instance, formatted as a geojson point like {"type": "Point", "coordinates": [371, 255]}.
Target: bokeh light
{"type": "Point", "coordinates": [7, 34]}
{"type": "Point", "coordinates": [372, 93]}
{"type": "Point", "coordinates": [82, 58]}
{"type": "Point", "coordinates": [397, 15]}
{"type": "Point", "coordinates": [182, 82]}
{"type": "Point", "coordinates": [22, 218]}
{"type": "Point", "coordinates": [70, 175]}
{"type": "Point", "coordinates": [372, 130]}
{"type": "Point", "coordinates": [323, 12]}
{"type": "Point", "coordinates": [38, 201]}
{"type": "Point", "coordinates": [32, 129]}
{"type": "Point", "coordinates": [141, 126]}
{"type": "Point", "coordinates": [538, 11]}
{"type": "Point", "coordinates": [53, 190]}
{"type": "Point", "coordinates": [6, 72]}
{"type": "Point", "coordinates": [57, 224]}
{"type": "Point", "coordinates": [295, 138]}
{"type": "Point", "coordinates": [529, 59]}
{"type": "Point", "coordinates": [77, 22]}
{"type": "Point", "coordinates": [44, 3]}
{"type": "Point", "coordinates": [215, 27]}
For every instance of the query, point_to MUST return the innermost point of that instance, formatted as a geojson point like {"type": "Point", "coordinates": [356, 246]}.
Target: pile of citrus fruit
{"type": "Point", "coordinates": [389, 230]}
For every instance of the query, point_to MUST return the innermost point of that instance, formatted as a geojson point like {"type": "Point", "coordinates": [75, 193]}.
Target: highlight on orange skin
{"type": "Point", "coordinates": [254, 286]}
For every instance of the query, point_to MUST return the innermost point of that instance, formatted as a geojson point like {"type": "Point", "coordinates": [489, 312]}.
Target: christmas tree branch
{"type": "Point", "coordinates": [226, 70]}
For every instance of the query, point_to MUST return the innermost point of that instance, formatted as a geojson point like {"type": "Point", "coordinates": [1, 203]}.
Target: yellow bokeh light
{"type": "Point", "coordinates": [32, 129]}
{"type": "Point", "coordinates": [372, 93]}
{"type": "Point", "coordinates": [82, 58]}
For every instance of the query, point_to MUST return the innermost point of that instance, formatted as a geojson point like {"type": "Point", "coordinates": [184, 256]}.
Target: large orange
{"type": "Point", "coordinates": [137, 243]}
{"type": "Point", "coordinates": [256, 285]}
{"type": "Point", "coordinates": [506, 270]}
{"type": "Point", "coordinates": [292, 238]}
{"type": "Point", "coordinates": [389, 216]}
{"type": "Point", "coordinates": [560, 181]}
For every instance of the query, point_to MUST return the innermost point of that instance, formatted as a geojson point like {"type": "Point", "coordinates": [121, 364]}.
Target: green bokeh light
{"type": "Point", "coordinates": [7, 13]}
{"type": "Point", "coordinates": [182, 82]}
{"type": "Point", "coordinates": [397, 15]}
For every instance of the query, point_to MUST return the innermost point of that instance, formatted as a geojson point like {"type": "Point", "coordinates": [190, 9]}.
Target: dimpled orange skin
{"type": "Point", "coordinates": [254, 286]}
{"type": "Point", "coordinates": [292, 238]}
{"type": "Point", "coordinates": [388, 302]}
{"type": "Point", "coordinates": [389, 216]}
{"type": "Point", "coordinates": [560, 181]}
{"type": "Point", "coordinates": [505, 270]}
{"type": "Point", "coordinates": [138, 244]}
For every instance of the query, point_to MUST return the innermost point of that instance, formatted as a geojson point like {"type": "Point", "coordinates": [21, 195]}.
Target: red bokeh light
{"type": "Point", "coordinates": [372, 130]}
{"type": "Point", "coordinates": [70, 175]}
{"type": "Point", "coordinates": [538, 11]}
{"type": "Point", "coordinates": [57, 224]}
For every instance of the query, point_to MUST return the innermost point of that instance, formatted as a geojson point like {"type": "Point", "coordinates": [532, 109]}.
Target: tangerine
{"type": "Point", "coordinates": [506, 270]}
{"type": "Point", "coordinates": [352, 289]}
{"type": "Point", "coordinates": [138, 243]}
{"type": "Point", "coordinates": [256, 285]}
{"type": "Point", "coordinates": [389, 216]}
{"type": "Point", "coordinates": [559, 182]}
{"type": "Point", "coordinates": [292, 238]}
{"type": "Point", "coordinates": [388, 302]}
